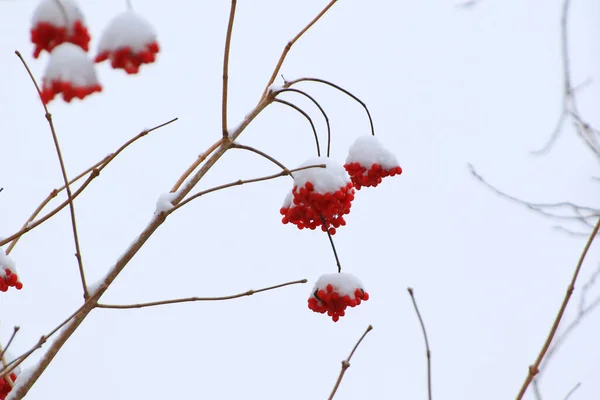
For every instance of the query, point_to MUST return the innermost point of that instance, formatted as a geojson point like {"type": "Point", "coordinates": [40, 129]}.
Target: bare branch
{"type": "Point", "coordinates": [288, 46]}
{"type": "Point", "coordinates": [3, 352]}
{"type": "Point", "coordinates": [534, 369]}
{"type": "Point", "coordinates": [346, 363]}
{"type": "Point", "coordinates": [194, 299]}
{"type": "Point", "coordinates": [30, 225]}
{"type": "Point", "coordinates": [238, 183]}
{"type": "Point", "coordinates": [568, 396]}
{"type": "Point", "coordinates": [260, 153]}
{"type": "Point", "coordinates": [427, 349]}
{"type": "Point", "coordinates": [63, 170]}
{"type": "Point", "coordinates": [195, 165]}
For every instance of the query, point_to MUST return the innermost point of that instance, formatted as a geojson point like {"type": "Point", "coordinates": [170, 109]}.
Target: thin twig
{"type": "Point", "coordinates": [226, 66]}
{"type": "Point", "coordinates": [63, 170]}
{"type": "Point", "coordinates": [238, 183]}
{"type": "Point", "coordinates": [3, 362]}
{"type": "Point", "coordinates": [260, 153]}
{"type": "Point", "coordinates": [195, 165]}
{"type": "Point", "coordinates": [51, 196]}
{"type": "Point", "coordinates": [341, 89]}
{"type": "Point", "coordinates": [295, 107]}
{"type": "Point", "coordinates": [193, 299]}
{"type": "Point", "coordinates": [320, 109]}
{"type": "Point", "coordinates": [427, 349]}
{"type": "Point", "coordinates": [3, 352]}
{"type": "Point", "coordinates": [94, 173]}
{"type": "Point", "coordinates": [346, 363]}
{"type": "Point", "coordinates": [568, 396]}
{"type": "Point", "coordinates": [534, 369]}
{"type": "Point", "coordinates": [289, 45]}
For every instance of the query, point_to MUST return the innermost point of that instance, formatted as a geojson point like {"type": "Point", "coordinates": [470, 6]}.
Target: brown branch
{"type": "Point", "coordinates": [346, 363]}
{"type": "Point", "coordinates": [156, 221]}
{"type": "Point", "coordinates": [195, 165]}
{"type": "Point", "coordinates": [94, 173]}
{"type": "Point", "coordinates": [534, 369]}
{"type": "Point", "coordinates": [318, 106]}
{"type": "Point", "coordinates": [226, 66]}
{"type": "Point", "coordinates": [193, 299]}
{"type": "Point", "coordinates": [428, 351]}
{"type": "Point", "coordinates": [260, 153]}
{"type": "Point", "coordinates": [51, 196]}
{"type": "Point", "coordinates": [289, 45]}
{"type": "Point", "coordinates": [239, 182]}
{"type": "Point", "coordinates": [341, 89]}
{"type": "Point", "coordinates": [312, 125]}
{"type": "Point", "coordinates": [63, 171]}
{"type": "Point", "coordinates": [3, 352]}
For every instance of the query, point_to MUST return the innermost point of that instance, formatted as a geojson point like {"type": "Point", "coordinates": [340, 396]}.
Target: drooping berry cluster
{"type": "Point", "coordinates": [5, 386]}
{"type": "Point", "coordinates": [333, 293]}
{"type": "Point", "coordinates": [128, 41]}
{"type": "Point", "coordinates": [319, 194]}
{"type": "Point", "coordinates": [368, 162]}
{"type": "Point", "coordinates": [69, 72]}
{"type": "Point", "coordinates": [363, 176]}
{"type": "Point", "coordinates": [58, 27]}
{"type": "Point", "coordinates": [55, 22]}
{"type": "Point", "coordinates": [9, 279]}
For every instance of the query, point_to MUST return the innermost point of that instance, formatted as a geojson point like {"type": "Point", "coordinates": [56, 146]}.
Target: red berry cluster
{"type": "Point", "coordinates": [5, 386]}
{"type": "Point", "coordinates": [10, 279]}
{"type": "Point", "coordinates": [46, 36]}
{"type": "Point", "coordinates": [309, 206]}
{"type": "Point", "coordinates": [361, 176]}
{"type": "Point", "coordinates": [127, 59]}
{"type": "Point", "coordinates": [68, 90]}
{"type": "Point", "coordinates": [329, 301]}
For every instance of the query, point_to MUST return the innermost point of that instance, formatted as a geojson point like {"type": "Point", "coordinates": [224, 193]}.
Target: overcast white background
{"type": "Point", "coordinates": [447, 86]}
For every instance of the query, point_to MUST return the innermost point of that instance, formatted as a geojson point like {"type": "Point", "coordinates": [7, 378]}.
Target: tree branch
{"type": "Point", "coordinates": [289, 45]}
{"type": "Point", "coordinates": [534, 369]}
{"type": "Point", "coordinates": [346, 363]}
{"type": "Point", "coordinates": [428, 351]}
{"type": "Point", "coordinates": [194, 299]}
{"type": "Point", "coordinates": [226, 66]}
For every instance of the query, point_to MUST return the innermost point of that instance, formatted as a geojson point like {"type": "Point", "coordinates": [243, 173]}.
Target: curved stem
{"type": "Point", "coordinates": [320, 109]}
{"type": "Point", "coordinates": [226, 67]}
{"type": "Point", "coordinates": [260, 153]}
{"type": "Point", "coordinates": [295, 107]}
{"type": "Point", "coordinates": [335, 254]}
{"type": "Point", "coordinates": [341, 89]}
{"type": "Point", "coordinates": [129, 5]}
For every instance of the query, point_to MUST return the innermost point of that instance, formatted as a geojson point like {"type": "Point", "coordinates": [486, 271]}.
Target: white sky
{"type": "Point", "coordinates": [446, 86]}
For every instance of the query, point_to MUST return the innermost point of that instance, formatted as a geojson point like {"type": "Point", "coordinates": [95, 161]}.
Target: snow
{"type": "Point", "coordinates": [343, 283]}
{"type": "Point", "coordinates": [324, 180]}
{"type": "Point", "coordinates": [9, 357]}
{"type": "Point", "coordinates": [6, 263]}
{"type": "Point", "coordinates": [70, 63]}
{"type": "Point", "coordinates": [164, 202]}
{"type": "Point", "coordinates": [288, 202]}
{"type": "Point", "coordinates": [93, 287]}
{"type": "Point", "coordinates": [127, 29]}
{"type": "Point", "coordinates": [23, 377]}
{"type": "Point", "coordinates": [368, 150]}
{"type": "Point", "coordinates": [274, 88]}
{"type": "Point", "coordinates": [54, 12]}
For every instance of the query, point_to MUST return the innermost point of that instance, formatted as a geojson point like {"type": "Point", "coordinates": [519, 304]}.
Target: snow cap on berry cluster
{"type": "Point", "coordinates": [128, 41]}
{"type": "Point", "coordinates": [69, 72]}
{"type": "Point", "coordinates": [8, 273]}
{"type": "Point", "coordinates": [55, 22]}
{"type": "Point", "coordinates": [368, 162]}
{"type": "Point", "coordinates": [333, 293]}
{"type": "Point", "coordinates": [319, 193]}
